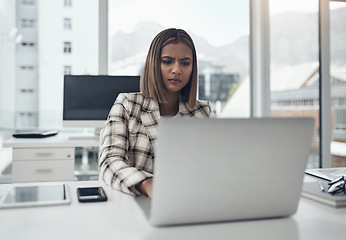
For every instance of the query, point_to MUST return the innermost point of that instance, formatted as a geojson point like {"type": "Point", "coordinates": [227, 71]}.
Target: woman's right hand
{"type": "Point", "coordinates": [146, 187]}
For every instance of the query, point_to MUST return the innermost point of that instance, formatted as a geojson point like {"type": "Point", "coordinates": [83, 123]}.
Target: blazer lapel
{"type": "Point", "coordinates": [150, 118]}
{"type": "Point", "coordinates": [183, 110]}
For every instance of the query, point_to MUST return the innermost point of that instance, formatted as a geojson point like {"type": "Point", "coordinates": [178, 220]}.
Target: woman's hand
{"type": "Point", "coordinates": [146, 187]}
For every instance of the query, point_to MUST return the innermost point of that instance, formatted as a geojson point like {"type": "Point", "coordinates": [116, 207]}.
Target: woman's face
{"type": "Point", "coordinates": [176, 66]}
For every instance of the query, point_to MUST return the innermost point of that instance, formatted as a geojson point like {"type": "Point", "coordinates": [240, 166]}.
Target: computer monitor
{"type": "Point", "coordinates": [88, 99]}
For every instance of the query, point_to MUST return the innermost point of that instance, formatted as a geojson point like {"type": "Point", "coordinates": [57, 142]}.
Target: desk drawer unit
{"type": "Point", "coordinates": [42, 171]}
{"type": "Point", "coordinates": [43, 153]}
{"type": "Point", "coordinates": [42, 164]}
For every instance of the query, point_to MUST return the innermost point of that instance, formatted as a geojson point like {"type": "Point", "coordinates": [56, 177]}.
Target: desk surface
{"type": "Point", "coordinates": [121, 218]}
{"type": "Point", "coordinates": [60, 140]}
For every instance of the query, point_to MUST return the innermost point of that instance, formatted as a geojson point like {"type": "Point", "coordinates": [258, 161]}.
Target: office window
{"type": "Point", "coordinates": [27, 65]}
{"type": "Point", "coordinates": [67, 70]}
{"type": "Point", "coordinates": [27, 23]}
{"type": "Point", "coordinates": [67, 24]}
{"type": "Point", "coordinates": [67, 47]}
{"type": "Point", "coordinates": [294, 76]}
{"type": "Point", "coordinates": [221, 35]}
{"type": "Point", "coordinates": [68, 3]}
{"type": "Point", "coordinates": [338, 82]}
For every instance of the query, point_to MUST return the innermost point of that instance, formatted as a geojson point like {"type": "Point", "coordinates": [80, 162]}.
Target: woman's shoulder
{"type": "Point", "coordinates": [135, 102]}
{"type": "Point", "coordinates": [133, 97]}
{"type": "Point", "coordinates": [202, 103]}
{"type": "Point", "coordinates": [130, 99]}
{"type": "Point", "coordinates": [203, 108]}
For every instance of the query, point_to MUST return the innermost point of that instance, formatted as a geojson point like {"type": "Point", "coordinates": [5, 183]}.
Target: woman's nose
{"type": "Point", "coordinates": [176, 68]}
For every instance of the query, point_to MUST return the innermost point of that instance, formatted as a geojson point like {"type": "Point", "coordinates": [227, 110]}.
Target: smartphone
{"type": "Point", "coordinates": [91, 194]}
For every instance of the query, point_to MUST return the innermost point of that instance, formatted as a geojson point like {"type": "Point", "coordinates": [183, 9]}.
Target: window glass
{"type": "Point", "coordinates": [32, 66]}
{"type": "Point", "coordinates": [220, 32]}
{"type": "Point", "coordinates": [35, 47]}
{"type": "Point", "coordinates": [294, 66]}
{"type": "Point", "coordinates": [338, 82]}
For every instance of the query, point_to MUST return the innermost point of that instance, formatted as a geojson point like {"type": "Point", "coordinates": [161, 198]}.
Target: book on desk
{"type": "Point", "coordinates": [327, 173]}
{"type": "Point", "coordinates": [312, 190]}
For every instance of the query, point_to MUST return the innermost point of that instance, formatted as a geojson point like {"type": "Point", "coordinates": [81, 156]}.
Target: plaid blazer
{"type": "Point", "coordinates": [128, 140]}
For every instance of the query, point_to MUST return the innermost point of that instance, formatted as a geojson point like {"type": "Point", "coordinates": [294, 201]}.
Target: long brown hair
{"type": "Point", "coordinates": [151, 79]}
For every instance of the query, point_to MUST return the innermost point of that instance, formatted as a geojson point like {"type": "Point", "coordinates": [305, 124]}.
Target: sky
{"type": "Point", "coordinates": [219, 24]}
{"type": "Point", "coordinates": [218, 21]}
{"type": "Point", "coordinates": [280, 6]}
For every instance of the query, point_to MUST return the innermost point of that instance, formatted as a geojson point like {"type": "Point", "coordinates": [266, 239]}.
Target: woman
{"type": "Point", "coordinates": [168, 89]}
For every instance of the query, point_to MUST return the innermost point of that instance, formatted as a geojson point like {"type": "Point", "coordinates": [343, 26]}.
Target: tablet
{"type": "Point", "coordinates": [31, 195]}
{"type": "Point", "coordinates": [43, 134]}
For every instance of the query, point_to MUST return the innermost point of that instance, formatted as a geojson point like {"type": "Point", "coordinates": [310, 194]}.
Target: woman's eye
{"type": "Point", "coordinates": [185, 63]}
{"type": "Point", "coordinates": [167, 61]}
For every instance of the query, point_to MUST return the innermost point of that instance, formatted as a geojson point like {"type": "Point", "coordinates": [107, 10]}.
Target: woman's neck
{"type": "Point", "coordinates": [170, 108]}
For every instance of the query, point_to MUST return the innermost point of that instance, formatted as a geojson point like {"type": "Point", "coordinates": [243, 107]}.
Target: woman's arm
{"type": "Point", "coordinates": [114, 167]}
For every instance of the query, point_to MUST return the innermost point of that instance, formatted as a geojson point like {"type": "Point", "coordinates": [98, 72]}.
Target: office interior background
{"type": "Point", "coordinates": [41, 41]}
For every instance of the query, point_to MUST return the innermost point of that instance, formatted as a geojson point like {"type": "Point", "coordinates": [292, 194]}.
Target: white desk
{"type": "Point", "coordinates": [45, 159]}
{"type": "Point", "coordinates": [121, 218]}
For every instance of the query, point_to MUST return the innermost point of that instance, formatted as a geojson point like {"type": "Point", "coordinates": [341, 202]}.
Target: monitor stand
{"type": "Point", "coordinates": [95, 137]}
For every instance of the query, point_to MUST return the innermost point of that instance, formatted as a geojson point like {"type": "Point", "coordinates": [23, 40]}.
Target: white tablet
{"type": "Point", "coordinates": [38, 194]}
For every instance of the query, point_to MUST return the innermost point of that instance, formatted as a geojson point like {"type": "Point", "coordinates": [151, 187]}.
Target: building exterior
{"type": "Point", "coordinates": [26, 65]}
{"type": "Point", "coordinates": [8, 39]}
{"type": "Point", "coordinates": [50, 39]}
{"type": "Point", "coordinates": [216, 86]}
{"type": "Point", "coordinates": [304, 102]}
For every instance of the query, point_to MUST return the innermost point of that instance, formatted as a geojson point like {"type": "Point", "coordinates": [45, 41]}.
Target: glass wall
{"type": "Point", "coordinates": [40, 42]}
{"type": "Point", "coordinates": [220, 32]}
{"type": "Point", "coordinates": [294, 63]}
{"type": "Point", "coordinates": [338, 82]}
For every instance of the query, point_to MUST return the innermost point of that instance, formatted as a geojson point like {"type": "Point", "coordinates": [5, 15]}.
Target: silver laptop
{"type": "Point", "coordinates": [210, 170]}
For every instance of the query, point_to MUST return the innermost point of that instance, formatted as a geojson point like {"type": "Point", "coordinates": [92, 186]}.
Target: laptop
{"type": "Point", "coordinates": [214, 170]}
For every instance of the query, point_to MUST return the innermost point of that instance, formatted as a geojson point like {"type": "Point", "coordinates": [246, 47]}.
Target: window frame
{"type": "Point", "coordinates": [324, 85]}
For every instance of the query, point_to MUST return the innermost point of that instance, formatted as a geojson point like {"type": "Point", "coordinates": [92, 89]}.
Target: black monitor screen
{"type": "Point", "coordinates": [91, 97]}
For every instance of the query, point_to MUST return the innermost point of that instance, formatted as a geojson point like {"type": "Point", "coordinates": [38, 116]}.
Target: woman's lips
{"type": "Point", "coordinates": [174, 80]}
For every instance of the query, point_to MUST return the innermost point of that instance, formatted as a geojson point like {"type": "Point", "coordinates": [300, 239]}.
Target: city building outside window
{"type": "Point", "coordinates": [67, 24]}
{"type": "Point", "coordinates": [295, 80]}
{"type": "Point", "coordinates": [28, 23]}
{"type": "Point", "coordinates": [27, 44]}
{"type": "Point", "coordinates": [27, 90]}
{"type": "Point", "coordinates": [67, 47]}
{"type": "Point", "coordinates": [67, 70]}
{"type": "Point", "coordinates": [28, 2]}
{"type": "Point", "coordinates": [68, 3]}
{"type": "Point", "coordinates": [27, 68]}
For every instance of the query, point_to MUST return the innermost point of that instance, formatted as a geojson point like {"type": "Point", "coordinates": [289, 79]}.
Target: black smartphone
{"type": "Point", "coordinates": [91, 194]}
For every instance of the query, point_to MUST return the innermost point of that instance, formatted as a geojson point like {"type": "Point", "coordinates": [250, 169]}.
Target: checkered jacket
{"type": "Point", "coordinates": [128, 140]}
